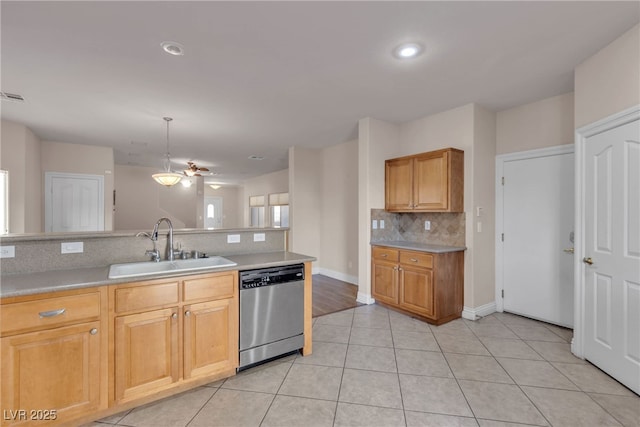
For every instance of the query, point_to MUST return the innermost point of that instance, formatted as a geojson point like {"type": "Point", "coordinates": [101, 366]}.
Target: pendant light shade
{"type": "Point", "coordinates": [167, 178]}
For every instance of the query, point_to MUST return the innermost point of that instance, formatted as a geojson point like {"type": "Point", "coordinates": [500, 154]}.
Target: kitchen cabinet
{"type": "Point", "coordinates": [54, 364]}
{"type": "Point", "coordinates": [168, 332]}
{"type": "Point", "coordinates": [427, 285]}
{"type": "Point", "coordinates": [426, 182]}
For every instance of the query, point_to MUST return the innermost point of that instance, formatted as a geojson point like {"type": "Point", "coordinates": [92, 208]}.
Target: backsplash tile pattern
{"type": "Point", "coordinates": [446, 228]}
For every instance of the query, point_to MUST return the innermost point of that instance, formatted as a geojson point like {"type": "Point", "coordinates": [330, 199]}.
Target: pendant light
{"type": "Point", "coordinates": [167, 178]}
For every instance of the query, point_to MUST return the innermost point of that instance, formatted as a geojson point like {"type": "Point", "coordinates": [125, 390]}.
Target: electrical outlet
{"type": "Point", "coordinates": [374, 224]}
{"type": "Point", "coordinates": [7, 251]}
{"type": "Point", "coordinates": [427, 225]}
{"type": "Point", "coordinates": [258, 237]}
{"type": "Point", "coordinates": [71, 247]}
{"type": "Point", "coordinates": [381, 223]}
{"type": "Point", "coordinates": [233, 238]}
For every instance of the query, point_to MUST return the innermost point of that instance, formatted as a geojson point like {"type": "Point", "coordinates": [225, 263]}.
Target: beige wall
{"type": "Point", "coordinates": [87, 159]}
{"type": "Point", "coordinates": [540, 124]}
{"type": "Point", "coordinates": [20, 156]}
{"type": "Point", "coordinates": [484, 197]}
{"type": "Point", "coordinates": [339, 212]}
{"type": "Point", "coordinates": [140, 201]}
{"type": "Point", "coordinates": [609, 81]}
{"type": "Point", "coordinates": [274, 182]}
{"type": "Point", "coordinates": [305, 201]}
{"type": "Point", "coordinates": [231, 217]}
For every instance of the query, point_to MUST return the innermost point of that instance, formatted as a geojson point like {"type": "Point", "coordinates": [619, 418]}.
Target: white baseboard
{"type": "Point", "coordinates": [336, 275]}
{"type": "Point", "coordinates": [478, 312]}
{"type": "Point", "coordinates": [365, 299]}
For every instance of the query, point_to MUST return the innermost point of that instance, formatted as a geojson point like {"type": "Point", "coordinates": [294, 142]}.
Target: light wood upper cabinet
{"type": "Point", "coordinates": [53, 349]}
{"type": "Point", "coordinates": [427, 182]}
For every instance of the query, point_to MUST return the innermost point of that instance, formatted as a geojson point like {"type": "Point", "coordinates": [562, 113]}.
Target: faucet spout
{"type": "Point", "coordinates": [169, 239]}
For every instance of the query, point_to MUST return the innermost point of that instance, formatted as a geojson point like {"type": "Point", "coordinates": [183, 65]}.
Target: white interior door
{"type": "Point", "coordinates": [536, 265]}
{"type": "Point", "coordinates": [612, 252]}
{"type": "Point", "coordinates": [74, 202]}
{"type": "Point", "coordinates": [213, 212]}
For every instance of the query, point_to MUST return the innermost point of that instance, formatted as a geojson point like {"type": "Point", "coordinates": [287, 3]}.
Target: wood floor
{"type": "Point", "coordinates": [331, 295]}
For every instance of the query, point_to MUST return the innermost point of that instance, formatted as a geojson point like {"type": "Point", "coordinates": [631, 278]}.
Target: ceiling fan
{"type": "Point", "coordinates": [193, 170]}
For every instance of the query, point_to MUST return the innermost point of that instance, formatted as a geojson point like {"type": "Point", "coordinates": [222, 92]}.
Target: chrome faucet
{"type": "Point", "coordinates": [154, 236]}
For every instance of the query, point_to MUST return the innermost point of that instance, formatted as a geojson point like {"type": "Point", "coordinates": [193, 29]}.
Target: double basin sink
{"type": "Point", "coordinates": [146, 268]}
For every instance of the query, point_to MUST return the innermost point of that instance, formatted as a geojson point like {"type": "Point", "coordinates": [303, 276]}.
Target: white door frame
{"type": "Point", "coordinates": [48, 176]}
{"type": "Point", "coordinates": [613, 121]}
{"type": "Point", "coordinates": [500, 162]}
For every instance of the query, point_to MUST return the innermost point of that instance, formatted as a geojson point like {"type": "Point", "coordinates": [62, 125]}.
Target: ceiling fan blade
{"type": "Point", "coordinates": [203, 169]}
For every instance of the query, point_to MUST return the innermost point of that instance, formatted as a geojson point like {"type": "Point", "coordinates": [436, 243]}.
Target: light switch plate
{"type": "Point", "coordinates": [374, 224]}
{"type": "Point", "coordinates": [233, 238]}
{"type": "Point", "coordinates": [381, 223]}
{"type": "Point", "coordinates": [258, 237]}
{"type": "Point", "coordinates": [427, 225]}
{"type": "Point", "coordinates": [7, 251]}
{"type": "Point", "coordinates": [71, 247]}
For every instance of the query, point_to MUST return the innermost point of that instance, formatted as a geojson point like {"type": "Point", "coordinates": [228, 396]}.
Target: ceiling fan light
{"type": "Point", "coordinates": [167, 178]}
{"type": "Point", "coordinates": [189, 172]}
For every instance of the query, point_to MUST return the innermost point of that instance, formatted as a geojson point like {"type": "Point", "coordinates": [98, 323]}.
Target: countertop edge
{"type": "Point", "coordinates": [421, 247]}
{"type": "Point", "coordinates": [24, 284]}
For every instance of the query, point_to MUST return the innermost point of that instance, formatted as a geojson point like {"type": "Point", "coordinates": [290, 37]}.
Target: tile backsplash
{"type": "Point", "coordinates": [446, 228]}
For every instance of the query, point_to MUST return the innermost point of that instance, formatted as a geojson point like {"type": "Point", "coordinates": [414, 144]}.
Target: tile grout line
{"type": "Point", "coordinates": [344, 363]}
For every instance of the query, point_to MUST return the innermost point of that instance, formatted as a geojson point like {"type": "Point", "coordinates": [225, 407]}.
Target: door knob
{"type": "Point", "coordinates": [569, 251]}
{"type": "Point", "coordinates": [587, 260]}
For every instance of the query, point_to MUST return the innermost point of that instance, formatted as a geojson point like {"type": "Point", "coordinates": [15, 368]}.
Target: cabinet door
{"type": "Point", "coordinates": [146, 352]}
{"type": "Point", "coordinates": [384, 286]}
{"type": "Point", "coordinates": [416, 290]}
{"type": "Point", "coordinates": [431, 183]}
{"type": "Point", "coordinates": [210, 337]}
{"type": "Point", "coordinates": [57, 369]}
{"type": "Point", "coordinates": [398, 184]}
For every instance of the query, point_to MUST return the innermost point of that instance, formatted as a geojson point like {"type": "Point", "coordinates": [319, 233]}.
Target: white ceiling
{"type": "Point", "coordinates": [259, 77]}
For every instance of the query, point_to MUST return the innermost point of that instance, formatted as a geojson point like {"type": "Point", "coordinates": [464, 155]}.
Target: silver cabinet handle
{"type": "Point", "coordinates": [174, 316]}
{"type": "Point", "coordinates": [187, 313]}
{"type": "Point", "coordinates": [93, 331]}
{"type": "Point", "coordinates": [383, 255]}
{"type": "Point", "coordinates": [414, 260]}
{"type": "Point", "coordinates": [52, 313]}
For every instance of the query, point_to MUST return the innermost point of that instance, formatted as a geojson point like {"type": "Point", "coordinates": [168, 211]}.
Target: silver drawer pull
{"type": "Point", "coordinates": [383, 255]}
{"type": "Point", "coordinates": [52, 313]}
{"type": "Point", "coordinates": [93, 331]}
{"type": "Point", "coordinates": [414, 260]}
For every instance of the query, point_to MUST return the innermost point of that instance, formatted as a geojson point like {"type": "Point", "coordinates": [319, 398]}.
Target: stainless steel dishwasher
{"type": "Point", "coordinates": [271, 313]}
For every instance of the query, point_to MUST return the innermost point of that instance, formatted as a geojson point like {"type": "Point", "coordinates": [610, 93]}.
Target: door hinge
{"type": "Point", "coordinates": [503, 293]}
{"type": "Point", "coordinates": [503, 180]}
{"type": "Point", "coordinates": [502, 237]}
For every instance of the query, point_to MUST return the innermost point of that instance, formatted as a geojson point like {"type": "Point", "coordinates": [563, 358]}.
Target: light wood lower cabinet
{"type": "Point", "coordinates": [54, 364]}
{"type": "Point", "coordinates": [428, 285]}
{"type": "Point", "coordinates": [170, 332]}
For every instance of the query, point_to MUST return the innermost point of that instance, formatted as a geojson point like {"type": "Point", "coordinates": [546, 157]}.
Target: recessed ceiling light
{"type": "Point", "coordinates": [407, 50]}
{"type": "Point", "coordinates": [173, 48]}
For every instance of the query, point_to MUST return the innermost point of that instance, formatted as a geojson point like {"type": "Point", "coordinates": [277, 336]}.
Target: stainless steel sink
{"type": "Point", "coordinates": [137, 269]}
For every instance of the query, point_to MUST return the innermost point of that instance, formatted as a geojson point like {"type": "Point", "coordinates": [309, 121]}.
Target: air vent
{"type": "Point", "coordinates": [5, 96]}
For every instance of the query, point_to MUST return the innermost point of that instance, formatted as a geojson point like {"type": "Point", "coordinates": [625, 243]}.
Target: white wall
{"type": "Point", "coordinates": [305, 201]}
{"type": "Point", "coordinates": [609, 81]}
{"type": "Point", "coordinates": [87, 159]}
{"type": "Point", "coordinates": [339, 212]}
{"type": "Point", "coordinates": [20, 156]}
{"type": "Point", "coordinates": [231, 216]}
{"type": "Point", "coordinates": [140, 200]}
{"type": "Point", "coordinates": [540, 124]}
{"type": "Point", "coordinates": [274, 182]}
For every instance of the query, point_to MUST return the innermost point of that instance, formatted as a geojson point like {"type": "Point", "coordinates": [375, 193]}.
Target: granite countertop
{"type": "Point", "coordinates": [417, 246]}
{"type": "Point", "coordinates": [61, 280]}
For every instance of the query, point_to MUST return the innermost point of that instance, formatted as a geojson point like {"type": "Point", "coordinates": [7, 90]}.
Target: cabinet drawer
{"type": "Point", "coordinates": [386, 254]}
{"type": "Point", "coordinates": [49, 312]}
{"type": "Point", "coordinates": [146, 296]}
{"type": "Point", "coordinates": [418, 259]}
{"type": "Point", "coordinates": [219, 286]}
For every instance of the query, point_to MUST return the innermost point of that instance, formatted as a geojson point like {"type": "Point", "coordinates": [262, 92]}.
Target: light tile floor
{"type": "Point", "coordinates": [374, 367]}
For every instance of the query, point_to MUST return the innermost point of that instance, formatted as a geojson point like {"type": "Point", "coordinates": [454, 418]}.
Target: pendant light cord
{"type": "Point", "coordinates": [168, 155]}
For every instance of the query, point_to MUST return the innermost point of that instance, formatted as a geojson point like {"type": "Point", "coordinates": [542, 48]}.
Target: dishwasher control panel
{"type": "Point", "coordinates": [250, 279]}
